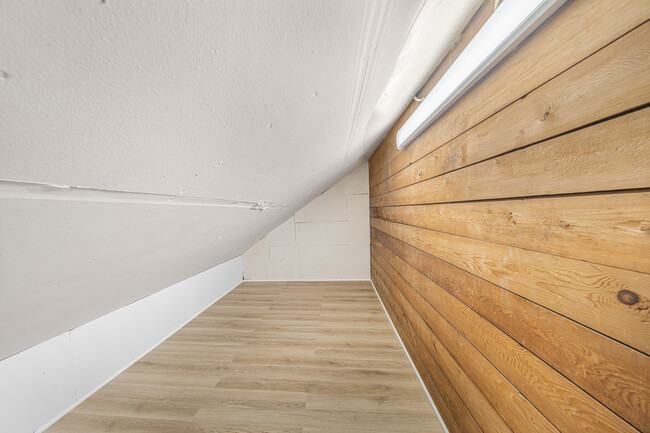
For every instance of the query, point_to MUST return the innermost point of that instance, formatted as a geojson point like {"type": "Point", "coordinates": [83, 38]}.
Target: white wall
{"type": "Point", "coordinates": [137, 137]}
{"type": "Point", "coordinates": [329, 238]}
{"type": "Point", "coordinates": [40, 384]}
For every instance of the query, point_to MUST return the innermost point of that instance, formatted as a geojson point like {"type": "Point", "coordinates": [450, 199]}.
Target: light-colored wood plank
{"type": "Point", "coordinates": [609, 156]}
{"type": "Point", "coordinates": [540, 382]}
{"type": "Point", "coordinates": [613, 80]}
{"type": "Point", "coordinates": [455, 410]}
{"type": "Point", "coordinates": [304, 357]}
{"type": "Point", "coordinates": [614, 374]}
{"type": "Point", "coordinates": [587, 227]}
{"type": "Point", "coordinates": [510, 405]}
{"type": "Point", "coordinates": [586, 293]}
{"type": "Point", "coordinates": [574, 33]}
{"type": "Point", "coordinates": [517, 223]}
{"type": "Point", "coordinates": [387, 150]}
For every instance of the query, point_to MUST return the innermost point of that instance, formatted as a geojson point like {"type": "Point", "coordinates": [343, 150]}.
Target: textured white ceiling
{"type": "Point", "coordinates": [136, 136]}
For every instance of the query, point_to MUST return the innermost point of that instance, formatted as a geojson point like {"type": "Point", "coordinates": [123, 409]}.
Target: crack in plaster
{"type": "Point", "coordinates": [219, 119]}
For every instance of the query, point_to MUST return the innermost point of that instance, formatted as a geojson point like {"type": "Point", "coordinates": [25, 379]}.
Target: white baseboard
{"type": "Point", "coordinates": [43, 383]}
{"type": "Point", "coordinates": [426, 391]}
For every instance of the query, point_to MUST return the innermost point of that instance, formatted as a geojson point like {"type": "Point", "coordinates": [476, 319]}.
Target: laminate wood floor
{"type": "Point", "coordinates": [269, 357]}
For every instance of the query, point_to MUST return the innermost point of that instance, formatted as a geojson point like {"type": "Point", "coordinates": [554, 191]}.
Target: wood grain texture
{"type": "Point", "coordinates": [378, 163]}
{"type": "Point", "coordinates": [510, 241]}
{"type": "Point", "coordinates": [609, 82]}
{"type": "Point", "coordinates": [589, 26]}
{"type": "Point", "coordinates": [269, 357]}
{"type": "Point", "coordinates": [566, 406]}
{"type": "Point", "coordinates": [512, 406]}
{"type": "Point", "coordinates": [610, 155]}
{"type": "Point", "coordinates": [451, 408]}
{"type": "Point", "coordinates": [446, 370]}
{"type": "Point", "coordinates": [612, 373]}
{"type": "Point", "coordinates": [588, 294]}
{"type": "Point", "coordinates": [583, 227]}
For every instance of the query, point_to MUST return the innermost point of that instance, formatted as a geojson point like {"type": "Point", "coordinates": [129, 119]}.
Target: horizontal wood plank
{"type": "Point", "coordinates": [617, 376]}
{"type": "Point", "coordinates": [451, 408]}
{"type": "Point", "coordinates": [513, 232]}
{"type": "Point", "coordinates": [589, 26]}
{"type": "Point", "coordinates": [587, 293]}
{"type": "Point", "coordinates": [436, 332]}
{"type": "Point", "coordinates": [446, 371]}
{"type": "Point", "coordinates": [611, 155]}
{"type": "Point", "coordinates": [611, 81]}
{"type": "Point", "coordinates": [387, 150]}
{"type": "Point", "coordinates": [606, 229]}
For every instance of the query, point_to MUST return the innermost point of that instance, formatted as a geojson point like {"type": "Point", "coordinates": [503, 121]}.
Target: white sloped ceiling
{"type": "Point", "coordinates": [142, 142]}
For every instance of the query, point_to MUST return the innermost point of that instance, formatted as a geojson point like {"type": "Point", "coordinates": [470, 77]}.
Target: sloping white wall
{"type": "Point", "coordinates": [327, 239]}
{"type": "Point", "coordinates": [140, 139]}
{"type": "Point", "coordinates": [137, 137]}
{"type": "Point", "coordinates": [40, 384]}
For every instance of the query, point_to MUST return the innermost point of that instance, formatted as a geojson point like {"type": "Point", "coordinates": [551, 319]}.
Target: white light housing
{"type": "Point", "coordinates": [508, 26]}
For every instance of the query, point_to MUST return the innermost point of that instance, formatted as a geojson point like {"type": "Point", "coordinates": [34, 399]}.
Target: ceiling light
{"type": "Point", "coordinates": [508, 26]}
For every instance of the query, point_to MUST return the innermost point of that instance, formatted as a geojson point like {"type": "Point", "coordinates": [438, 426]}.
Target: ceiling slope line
{"type": "Point", "coordinates": [14, 189]}
{"type": "Point", "coordinates": [371, 34]}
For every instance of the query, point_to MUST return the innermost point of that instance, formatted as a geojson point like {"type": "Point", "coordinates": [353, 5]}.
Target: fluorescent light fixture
{"type": "Point", "coordinates": [508, 26]}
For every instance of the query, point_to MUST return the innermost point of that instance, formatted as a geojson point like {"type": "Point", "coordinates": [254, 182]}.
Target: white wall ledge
{"type": "Point", "coordinates": [46, 381]}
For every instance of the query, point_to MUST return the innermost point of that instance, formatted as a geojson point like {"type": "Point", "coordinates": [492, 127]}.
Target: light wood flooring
{"type": "Point", "coordinates": [269, 357]}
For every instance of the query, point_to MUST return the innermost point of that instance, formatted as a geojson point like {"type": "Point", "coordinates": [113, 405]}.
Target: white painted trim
{"type": "Point", "coordinates": [101, 385]}
{"type": "Point", "coordinates": [426, 391]}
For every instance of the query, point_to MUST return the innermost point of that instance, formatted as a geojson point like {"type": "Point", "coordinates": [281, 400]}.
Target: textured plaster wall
{"type": "Point", "coordinates": [143, 142]}
{"type": "Point", "coordinates": [42, 383]}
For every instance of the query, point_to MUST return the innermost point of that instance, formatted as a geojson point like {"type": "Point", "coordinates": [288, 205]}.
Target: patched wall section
{"type": "Point", "coordinates": [329, 238]}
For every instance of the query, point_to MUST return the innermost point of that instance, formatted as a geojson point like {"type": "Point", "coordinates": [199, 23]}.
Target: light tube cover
{"type": "Point", "coordinates": [508, 26]}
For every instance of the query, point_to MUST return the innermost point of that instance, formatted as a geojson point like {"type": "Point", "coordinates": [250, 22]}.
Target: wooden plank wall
{"type": "Point", "coordinates": [511, 240]}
